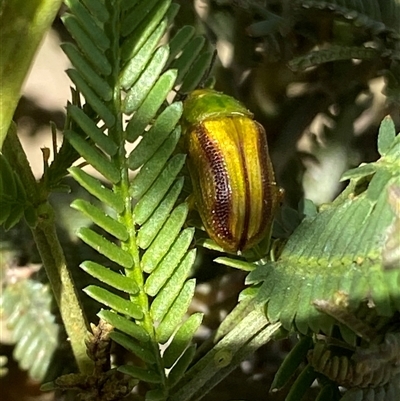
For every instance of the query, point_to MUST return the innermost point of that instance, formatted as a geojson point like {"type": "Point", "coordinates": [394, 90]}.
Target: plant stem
{"type": "Point", "coordinates": [52, 255]}
{"type": "Point", "coordinates": [250, 334]}
{"type": "Point", "coordinates": [126, 218]}
{"type": "Point", "coordinates": [60, 279]}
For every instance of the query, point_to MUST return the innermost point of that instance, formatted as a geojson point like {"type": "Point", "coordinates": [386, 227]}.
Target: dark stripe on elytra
{"type": "Point", "coordinates": [246, 222]}
{"type": "Point", "coordinates": [222, 201]}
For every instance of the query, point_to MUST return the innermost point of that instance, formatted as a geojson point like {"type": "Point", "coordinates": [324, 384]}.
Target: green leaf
{"type": "Point", "coordinates": [5, 210]}
{"type": "Point", "coordinates": [91, 97]}
{"type": "Point", "coordinates": [165, 238]}
{"type": "Point", "coordinates": [114, 302]}
{"type": "Point", "coordinates": [291, 362]}
{"type": "Point", "coordinates": [126, 326]}
{"type": "Point", "coordinates": [155, 395]}
{"type": "Point", "coordinates": [170, 291]}
{"type": "Point", "coordinates": [386, 135]}
{"type": "Point", "coordinates": [235, 263]}
{"type": "Point", "coordinates": [145, 375]}
{"type": "Point", "coordinates": [96, 57]}
{"type": "Point", "coordinates": [15, 215]}
{"type": "Point", "coordinates": [137, 64]}
{"type": "Point", "coordinates": [104, 221]}
{"type": "Point", "coordinates": [153, 225]}
{"type": "Point", "coordinates": [186, 59]}
{"type": "Point", "coordinates": [97, 189]}
{"type": "Point", "coordinates": [362, 171]}
{"type": "Point", "coordinates": [7, 179]}
{"type": "Point", "coordinates": [97, 135]}
{"type": "Point", "coordinates": [91, 27]}
{"type": "Point", "coordinates": [302, 384]}
{"type": "Point", "coordinates": [156, 136]}
{"type": "Point", "coordinates": [146, 206]}
{"type": "Point", "coordinates": [17, 197]}
{"type": "Point", "coordinates": [197, 73]}
{"type": "Point", "coordinates": [308, 208]}
{"type": "Point", "coordinates": [175, 314]}
{"type": "Point", "coordinates": [105, 247]}
{"type": "Point", "coordinates": [126, 5]}
{"type": "Point", "coordinates": [13, 199]}
{"type": "Point", "coordinates": [337, 250]}
{"type": "Point", "coordinates": [182, 339]}
{"type": "Point", "coordinates": [154, 166]}
{"type": "Point", "coordinates": [181, 366]}
{"type": "Point", "coordinates": [133, 346]}
{"type": "Point", "coordinates": [135, 97]}
{"type": "Point", "coordinates": [137, 39]}
{"type": "Point", "coordinates": [327, 393]}
{"type": "Point", "coordinates": [97, 9]}
{"type": "Point", "coordinates": [180, 39]}
{"type": "Point", "coordinates": [333, 53]}
{"type": "Point", "coordinates": [136, 15]}
{"type": "Point", "coordinates": [106, 275]}
{"type": "Point", "coordinates": [26, 308]}
{"type": "Point", "coordinates": [164, 270]}
{"type": "Point", "coordinates": [91, 130]}
{"type": "Point", "coordinates": [94, 156]}
{"type": "Point", "coordinates": [172, 12]}
{"type": "Point", "coordinates": [150, 106]}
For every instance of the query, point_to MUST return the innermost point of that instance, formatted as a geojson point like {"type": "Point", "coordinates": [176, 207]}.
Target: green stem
{"type": "Point", "coordinates": [250, 334]}
{"type": "Point", "coordinates": [51, 253]}
{"type": "Point", "coordinates": [126, 217]}
{"type": "Point", "coordinates": [22, 26]}
{"type": "Point", "coordinates": [137, 274]}
{"type": "Point", "coordinates": [60, 279]}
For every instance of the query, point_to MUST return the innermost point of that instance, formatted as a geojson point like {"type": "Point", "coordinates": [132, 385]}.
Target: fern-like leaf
{"type": "Point", "coordinates": [379, 23]}
{"type": "Point", "coordinates": [334, 53]}
{"type": "Point", "coordinates": [26, 307]}
{"type": "Point", "coordinates": [13, 198]}
{"type": "Point", "coordinates": [340, 251]}
{"type": "Point", "coordinates": [194, 59]}
{"type": "Point", "coordinates": [144, 223]}
{"type": "Point", "coordinates": [331, 280]}
{"type": "Point", "coordinates": [148, 110]}
{"type": "Point", "coordinates": [374, 15]}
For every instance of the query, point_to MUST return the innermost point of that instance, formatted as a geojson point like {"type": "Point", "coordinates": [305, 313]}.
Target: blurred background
{"type": "Point", "coordinates": [318, 75]}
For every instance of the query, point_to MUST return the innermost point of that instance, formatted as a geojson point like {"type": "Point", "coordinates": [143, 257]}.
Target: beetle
{"type": "Point", "coordinates": [233, 180]}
